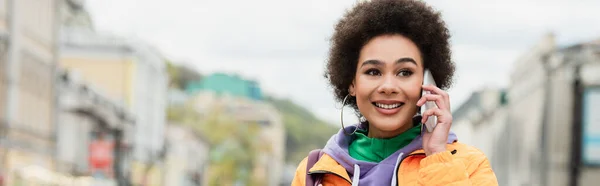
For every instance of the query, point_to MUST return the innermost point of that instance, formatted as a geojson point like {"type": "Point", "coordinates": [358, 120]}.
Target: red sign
{"type": "Point", "coordinates": [101, 154]}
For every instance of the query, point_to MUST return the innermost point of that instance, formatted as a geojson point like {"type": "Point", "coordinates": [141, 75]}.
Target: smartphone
{"type": "Point", "coordinates": [432, 120]}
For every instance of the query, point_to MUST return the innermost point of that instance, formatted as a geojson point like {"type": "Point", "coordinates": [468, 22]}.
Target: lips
{"type": "Point", "coordinates": [388, 107]}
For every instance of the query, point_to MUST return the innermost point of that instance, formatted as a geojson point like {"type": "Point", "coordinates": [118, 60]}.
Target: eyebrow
{"type": "Point", "coordinates": [378, 63]}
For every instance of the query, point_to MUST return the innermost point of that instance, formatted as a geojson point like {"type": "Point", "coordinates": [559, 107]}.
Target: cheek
{"type": "Point", "coordinates": [414, 92]}
{"type": "Point", "coordinates": [363, 88]}
{"type": "Point", "coordinates": [362, 95]}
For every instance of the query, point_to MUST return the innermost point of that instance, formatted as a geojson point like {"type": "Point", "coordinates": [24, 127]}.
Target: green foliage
{"type": "Point", "coordinates": [304, 131]}
{"type": "Point", "coordinates": [180, 75]}
{"type": "Point", "coordinates": [234, 146]}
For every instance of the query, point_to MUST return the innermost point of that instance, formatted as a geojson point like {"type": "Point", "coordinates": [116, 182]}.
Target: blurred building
{"type": "Point", "coordinates": [91, 129]}
{"type": "Point", "coordinates": [546, 117]}
{"type": "Point", "coordinates": [177, 97]}
{"type": "Point", "coordinates": [480, 121]}
{"type": "Point", "coordinates": [74, 14]}
{"type": "Point", "coordinates": [243, 100]}
{"type": "Point", "coordinates": [273, 134]}
{"type": "Point", "coordinates": [186, 159]}
{"type": "Point", "coordinates": [28, 48]}
{"type": "Point", "coordinates": [220, 83]}
{"type": "Point", "coordinates": [551, 133]}
{"type": "Point", "coordinates": [133, 74]}
{"type": "Point", "coordinates": [270, 162]}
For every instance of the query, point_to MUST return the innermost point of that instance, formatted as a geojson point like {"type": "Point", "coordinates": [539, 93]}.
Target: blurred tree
{"type": "Point", "coordinates": [304, 131]}
{"type": "Point", "coordinates": [239, 146]}
{"type": "Point", "coordinates": [235, 146]}
{"type": "Point", "coordinates": [180, 75]}
{"type": "Point", "coordinates": [174, 76]}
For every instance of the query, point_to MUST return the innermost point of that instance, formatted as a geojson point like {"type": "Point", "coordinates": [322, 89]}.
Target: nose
{"type": "Point", "coordinates": [388, 86]}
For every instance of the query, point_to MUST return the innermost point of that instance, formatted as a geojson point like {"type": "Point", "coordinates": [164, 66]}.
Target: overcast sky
{"type": "Point", "coordinates": [283, 43]}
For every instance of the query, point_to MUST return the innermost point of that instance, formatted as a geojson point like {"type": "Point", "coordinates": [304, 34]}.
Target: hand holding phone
{"type": "Point", "coordinates": [436, 116]}
{"type": "Point", "coordinates": [431, 120]}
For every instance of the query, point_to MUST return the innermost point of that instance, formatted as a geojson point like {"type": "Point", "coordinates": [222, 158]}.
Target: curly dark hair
{"type": "Point", "coordinates": [410, 18]}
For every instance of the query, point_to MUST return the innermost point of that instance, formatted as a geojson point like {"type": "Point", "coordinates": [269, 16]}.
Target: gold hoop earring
{"type": "Point", "coordinates": [342, 117]}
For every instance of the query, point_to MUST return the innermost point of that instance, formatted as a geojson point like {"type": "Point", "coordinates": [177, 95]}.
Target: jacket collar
{"type": "Point", "coordinates": [327, 164]}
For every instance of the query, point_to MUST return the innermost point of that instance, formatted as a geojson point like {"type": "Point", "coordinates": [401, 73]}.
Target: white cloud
{"type": "Point", "coordinates": [283, 44]}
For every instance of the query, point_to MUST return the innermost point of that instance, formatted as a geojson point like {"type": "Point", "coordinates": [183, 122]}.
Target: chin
{"type": "Point", "coordinates": [388, 125]}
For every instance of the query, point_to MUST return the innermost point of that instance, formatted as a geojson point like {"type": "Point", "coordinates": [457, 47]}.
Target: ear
{"type": "Point", "coordinates": [351, 90]}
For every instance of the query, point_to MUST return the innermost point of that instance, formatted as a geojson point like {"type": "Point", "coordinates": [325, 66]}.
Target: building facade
{"type": "Point", "coordinates": [133, 74]}
{"type": "Point", "coordinates": [547, 132]}
{"type": "Point", "coordinates": [480, 121]}
{"type": "Point", "coordinates": [91, 129]}
{"type": "Point", "coordinates": [73, 13]}
{"type": "Point", "coordinates": [242, 99]}
{"type": "Point", "coordinates": [28, 48]}
{"type": "Point", "coordinates": [555, 145]}
{"type": "Point", "coordinates": [187, 157]}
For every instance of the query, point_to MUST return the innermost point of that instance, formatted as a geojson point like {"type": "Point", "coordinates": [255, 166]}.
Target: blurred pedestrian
{"type": "Point", "coordinates": [378, 56]}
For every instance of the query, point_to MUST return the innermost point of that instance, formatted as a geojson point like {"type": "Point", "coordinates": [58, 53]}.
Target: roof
{"type": "Point", "coordinates": [473, 101]}
{"type": "Point", "coordinates": [78, 39]}
{"type": "Point", "coordinates": [221, 83]}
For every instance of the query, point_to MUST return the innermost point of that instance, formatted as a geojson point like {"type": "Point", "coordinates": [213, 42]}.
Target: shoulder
{"type": "Point", "coordinates": [300, 176]}
{"type": "Point", "coordinates": [467, 152]}
{"type": "Point", "coordinates": [302, 165]}
{"type": "Point", "coordinates": [470, 154]}
{"type": "Point", "coordinates": [476, 163]}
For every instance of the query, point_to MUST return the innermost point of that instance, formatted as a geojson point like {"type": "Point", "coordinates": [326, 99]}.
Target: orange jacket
{"type": "Point", "coordinates": [460, 165]}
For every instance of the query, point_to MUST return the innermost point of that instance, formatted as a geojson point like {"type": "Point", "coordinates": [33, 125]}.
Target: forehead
{"type": "Point", "coordinates": [389, 48]}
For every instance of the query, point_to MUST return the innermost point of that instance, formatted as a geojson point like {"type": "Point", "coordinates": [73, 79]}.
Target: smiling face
{"type": "Point", "coordinates": [387, 84]}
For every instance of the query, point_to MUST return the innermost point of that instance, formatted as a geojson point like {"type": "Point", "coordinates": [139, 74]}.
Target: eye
{"type": "Point", "coordinates": [405, 72]}
{"type": "Point", "coordinates": [373, 72]}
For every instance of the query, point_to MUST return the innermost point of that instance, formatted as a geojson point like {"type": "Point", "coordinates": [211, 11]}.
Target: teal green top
{"type": "Point", "coordinates": [376, 149]}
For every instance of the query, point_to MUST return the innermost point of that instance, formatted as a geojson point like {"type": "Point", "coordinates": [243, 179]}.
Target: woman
{"type": "Point", "coordinates": [378, 55]}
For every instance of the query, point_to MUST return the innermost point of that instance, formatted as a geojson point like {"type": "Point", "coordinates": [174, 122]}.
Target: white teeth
{"type": "Point", "coordinates": [386, 106]}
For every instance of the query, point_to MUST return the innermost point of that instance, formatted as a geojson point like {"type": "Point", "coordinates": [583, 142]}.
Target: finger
{"type": "Point", "coordinates": [436, 90]}
{"type": "Point", "coordinates": [439, 101]}
{"type": "Point", "coordinates": [442, 115]}
{"type": "Point", "coordinates": [430, 112]}
{"type": "Point", "coordinates": [426, 136]}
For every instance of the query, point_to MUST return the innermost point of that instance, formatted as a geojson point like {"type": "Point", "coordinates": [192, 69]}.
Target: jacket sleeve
{"type": "Point", "coordinates": [300, 176]}
{"type": "Point", "coordinates": [444, 169]}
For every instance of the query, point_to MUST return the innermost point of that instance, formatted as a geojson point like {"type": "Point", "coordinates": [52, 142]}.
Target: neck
{"type": "Point", "coordinates": [383, 134]}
